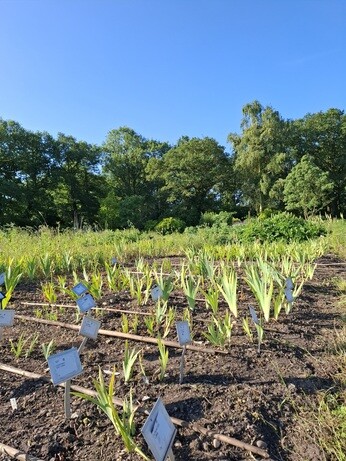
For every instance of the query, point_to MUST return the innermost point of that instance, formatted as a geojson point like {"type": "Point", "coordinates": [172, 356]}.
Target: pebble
{"type": "Point", "coordinates": [216, 443]}
{"type": "Point", "coordinates": [291, 387]}
{"type": "Point", "coordinates": [261, 444]}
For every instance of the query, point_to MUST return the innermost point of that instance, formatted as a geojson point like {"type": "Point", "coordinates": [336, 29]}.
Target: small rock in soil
{"type": "Point", "coordinates": [261, 444]}
{"type": "Point", "coordinates": [216, 443]}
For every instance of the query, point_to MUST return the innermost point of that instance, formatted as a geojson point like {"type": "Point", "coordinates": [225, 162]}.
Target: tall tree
{"type": "Point", "coordinates": [132, 194]}
{"type": "Point", "coordinates": [307, 189]}
{"type": "Point", "coordinates": [80, 185]}
{"type": "Point", "coordinates": [25, 172]}
{"type": "Point", "coordinates": [195, 174]}
{"type": "Point", "coordinates": [261, 156]}
{"type": "Point", "coordinates": [322, 136]}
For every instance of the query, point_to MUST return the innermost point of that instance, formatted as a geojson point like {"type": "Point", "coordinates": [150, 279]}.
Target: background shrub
{"type": "Point", "coordinates": [170, 225]}
{"type": "Point", "coordinates": [283, 226]}
{"type": "Point", "coordinates": [210, 219]}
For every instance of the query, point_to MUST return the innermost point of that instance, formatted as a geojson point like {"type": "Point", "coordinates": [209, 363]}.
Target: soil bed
{"type": "Point", "coordinates": [242, 394]}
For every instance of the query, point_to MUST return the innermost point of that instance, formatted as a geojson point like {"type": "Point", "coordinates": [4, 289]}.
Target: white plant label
{"type": "Point", "coordinates": [6, 317]}
{"type": "Point", "coordinates": [89, 327]}
{"type": "Point", "coordinates": [159, 431]}
{"type": "Point", "coordinates": [13, 403]}
{"type": "Point", "coordinates": [289, 295]}
{"type": "Point", "coordinates": [64, 365]}
{"type": "Point", "coordinates": [289, 283]}
{"type": "Point", "coordinates": [254, 315]}
{"type": "Point", "coordinates": [2, 296]}
{"type": "Point", "coordinates": [85, 303]}
{"type": "Point", "coordinates": [2, 278]}
{"type": "Point", "coordinates": [79, 289]}
{"type": "Point", "coordinates": [156, 293]}
{"type": "Point", "coordinates": [183, 331]}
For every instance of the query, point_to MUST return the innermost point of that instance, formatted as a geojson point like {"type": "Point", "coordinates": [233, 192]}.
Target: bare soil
{"type": "Point", "coordinates": [241, 394]}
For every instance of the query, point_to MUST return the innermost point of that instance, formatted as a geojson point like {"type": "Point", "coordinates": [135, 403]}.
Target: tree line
{"type": "Point", "coordinates": [274, 165]}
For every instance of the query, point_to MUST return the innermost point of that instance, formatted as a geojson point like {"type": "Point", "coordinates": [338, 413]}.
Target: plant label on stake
{"type": "Point", "coordinates": [289, 299]}
{"type": "Point", "coordinates": [79, 289]}
{"type": "Point", "coordinates": [6, 317]}
{"type": "Point", "coordinates": [63, 366]}
{"type": "Point", "coordinates": [85, 303]}
{"type": "Point", "coordinates": [183, 331]}
{"type": "Point", "coordinates": [159, 432]}
{"type": "Point", "coordinates": [254, 315]}
{"type": "Point", "coordinates": [114, 261]}
{"type": "Point", "coordinates": [289, 295]}
{"type": "Point", "coordinates": [89, 327]}
{"type": "Point", "coordinates": [259, 327]}
{"type": "Point", "coordinates": [289, 283]}
{"type": "Point", "coordinates": [156, 293]}
{"type": "Point", "coordinates": [184, 337]}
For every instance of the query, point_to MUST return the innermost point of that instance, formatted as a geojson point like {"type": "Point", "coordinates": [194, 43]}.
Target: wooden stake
{"type": "Point", "coordinates": [17, 454]}
{"type": "Point", "coordinates": [119, 334]}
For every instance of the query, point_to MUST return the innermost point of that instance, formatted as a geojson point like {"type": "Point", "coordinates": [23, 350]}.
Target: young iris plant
{"type": "Point", "coordinates": [123, 424]}
{"type": "Point", "coordinates": [13, 275]}
{"type": "Point", "coordinates": [163, 359]}
{"type": "Point", "coordinates": [130, 357]}
{"type": "Point", "coordinates": [260, 279]}
{"type": "Point", "coordinates": [190, 288]}
{"type": "Point", "coordinates": [220, 330]}
{"type": "Point", "coordinates": [17, 347]}
{"type": "Point", "coordinates": [212, 300]}
{"type": "Point", "coordinates": [48, 349]}
{"type": "Point", "coordinates": [228, 288]}
{"type": "Point", "coordinates": [165, 283]}
{"type": "Point", "coordinates": [49, 293]}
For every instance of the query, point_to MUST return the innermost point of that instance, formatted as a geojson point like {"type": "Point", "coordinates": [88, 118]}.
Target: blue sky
{"type": "Point", "coordinates": [167, 68]}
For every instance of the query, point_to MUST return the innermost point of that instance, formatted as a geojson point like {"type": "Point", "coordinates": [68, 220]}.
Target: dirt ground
{"type": "Point", "coordinates": [239, 393]}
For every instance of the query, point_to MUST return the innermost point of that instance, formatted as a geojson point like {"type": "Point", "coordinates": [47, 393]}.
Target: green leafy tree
{"type": "Point", "coordinates": [194, 175]}
{"type": "Point", "coordinates": [133, 196]}
{"type": "Point", "coordinates": [261, 156]}
{"type": "Point", "coordinates": [307, 188]}
{"type": "Point", "coordinates": [79, 184]}
{"type": "Point", "coordinates": [322, 136]}
{"type": "Point", "coordinates": [25, 174]}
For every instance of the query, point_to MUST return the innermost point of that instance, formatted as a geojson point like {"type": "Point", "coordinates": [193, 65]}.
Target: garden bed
{"type": "Point", "coordinates": [231, 391]}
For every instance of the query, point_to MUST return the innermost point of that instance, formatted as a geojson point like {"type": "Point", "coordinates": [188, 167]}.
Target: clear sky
{"type": "Point", "coordinates": [167, 68]}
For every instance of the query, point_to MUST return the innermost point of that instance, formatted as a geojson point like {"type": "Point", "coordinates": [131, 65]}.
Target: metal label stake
{"type": "Point", "coordinates": [182, 365]}
{"type": "Point", "coordinates": [67, 399]}
{"type": "Point", "coordinates": [184, 338]}
{"type": "Point", "coordinates": [170, 455]}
